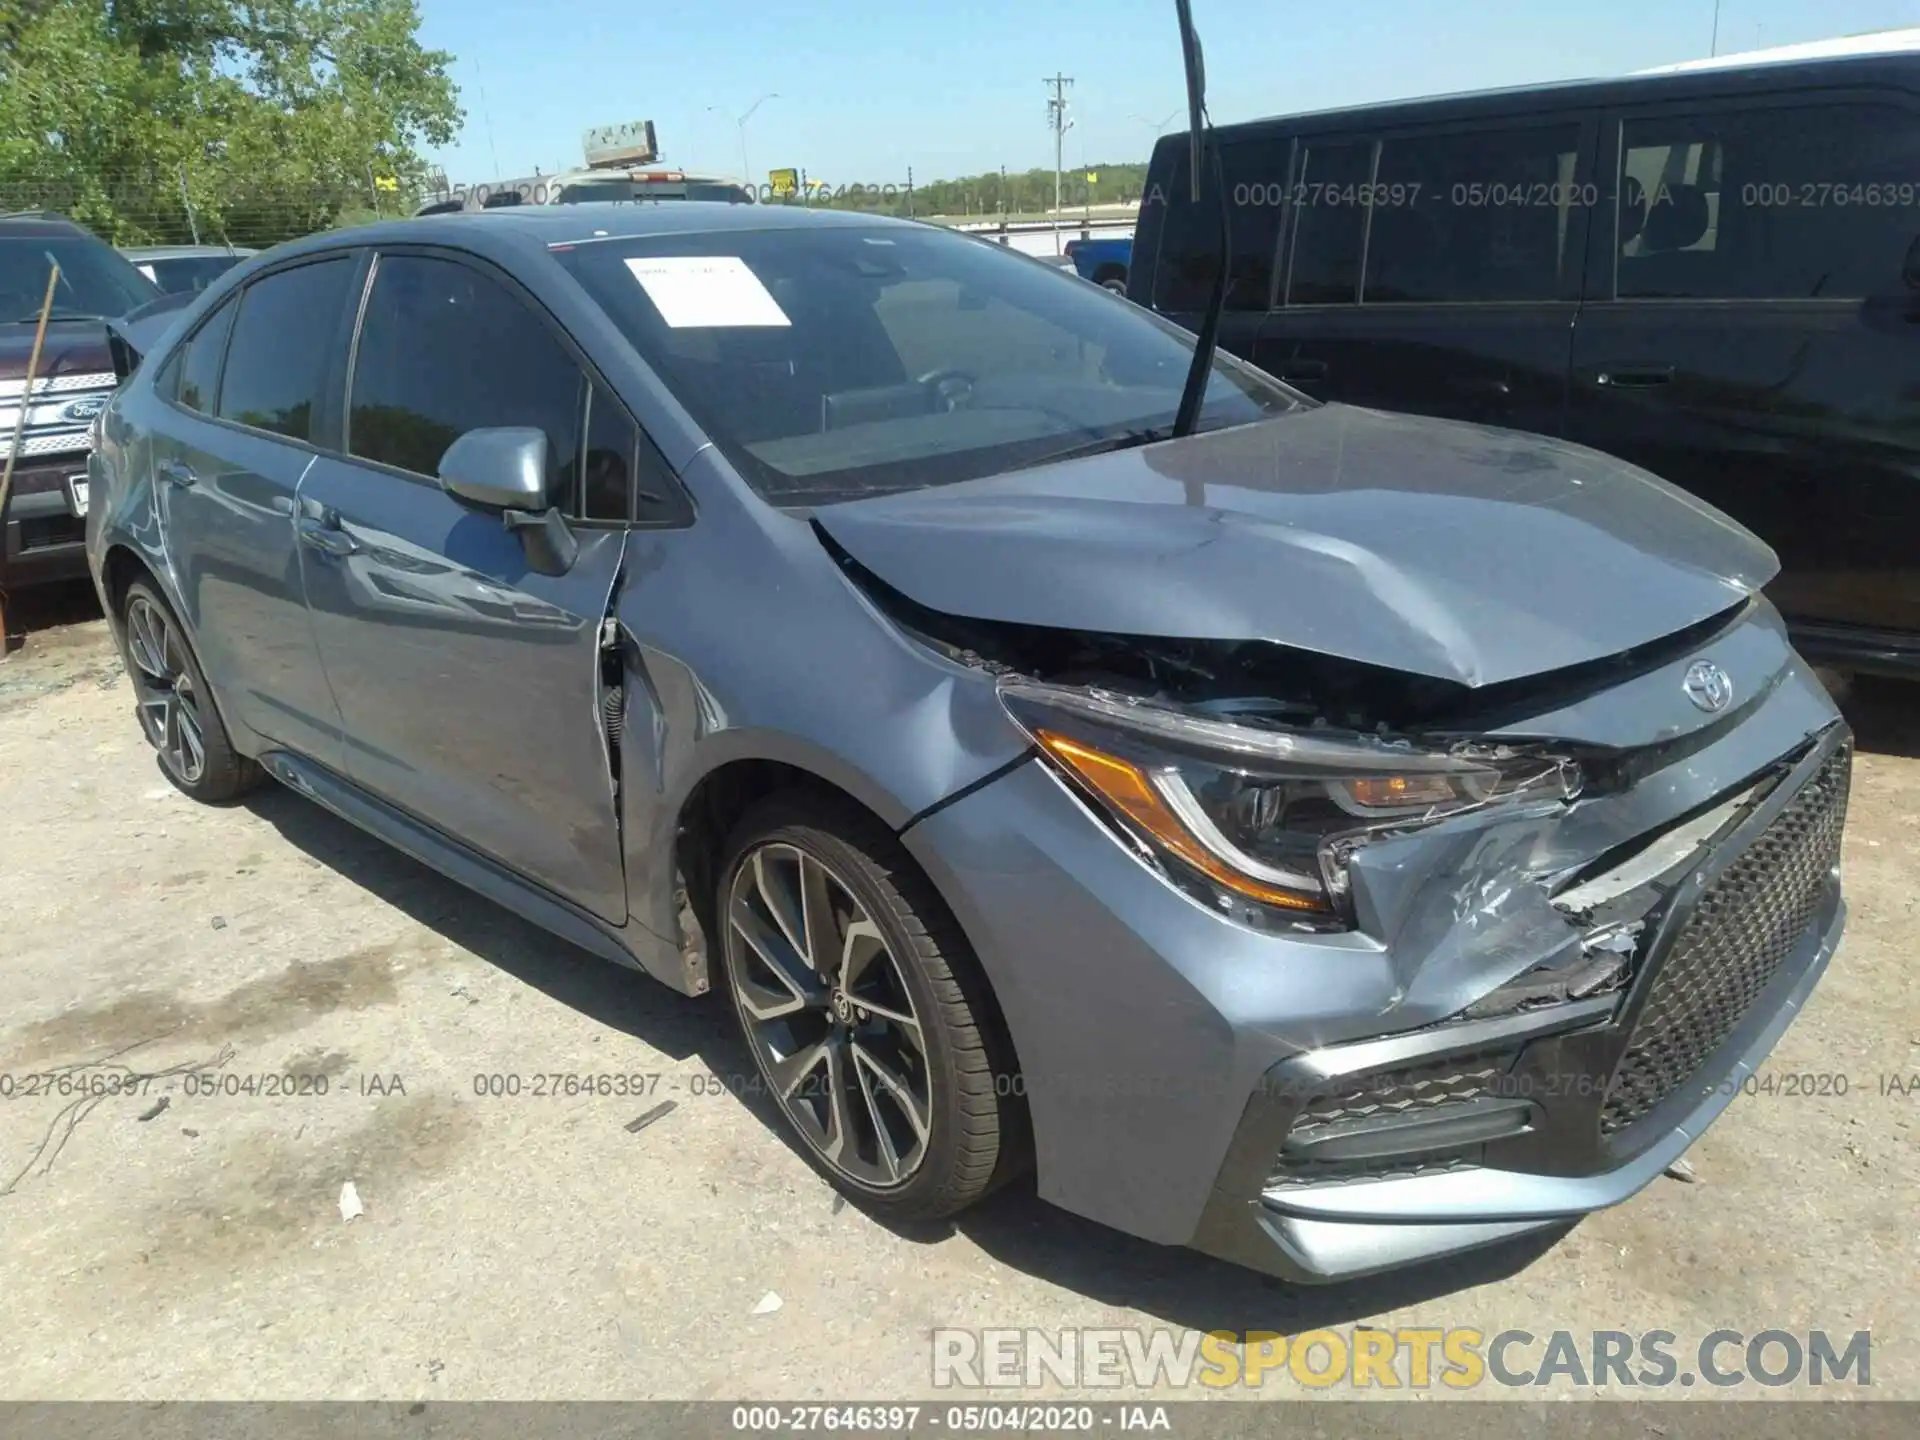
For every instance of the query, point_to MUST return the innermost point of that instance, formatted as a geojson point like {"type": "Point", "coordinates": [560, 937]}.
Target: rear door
{"type": "Point", "coordinates": [1749, 337]}
{"type": "Point", "coordinates": [469, 684]}
{"type": "Point", "coordinates": [248, 388]}
{"type": "Point", "coordinates": [1437, 269]}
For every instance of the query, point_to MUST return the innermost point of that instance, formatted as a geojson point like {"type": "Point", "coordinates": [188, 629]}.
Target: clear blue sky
{"type": "Point", "coordinates": [866, 89]}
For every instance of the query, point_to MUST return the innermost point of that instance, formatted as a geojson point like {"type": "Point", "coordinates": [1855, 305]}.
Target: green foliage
{"type": "Point", "coordinates": [1024, 193]}
{"type": "Point", "coordinates": [151, 120]}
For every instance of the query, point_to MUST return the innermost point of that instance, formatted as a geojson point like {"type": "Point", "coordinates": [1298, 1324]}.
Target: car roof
{"type": "Point", "coordinates": [171, 252]}
{"type": "Point", "coordinates": [1888, 57]}
{"type": "Point", "coordinates": [524, 228]}
{"type": "Point", "coordinates": [41, 224]}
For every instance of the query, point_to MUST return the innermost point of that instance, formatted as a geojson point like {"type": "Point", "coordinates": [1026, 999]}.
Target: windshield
{"type": "Point", "coordinates": [834, 362]}
{"type": "Point", "coordinates": [96, 281]}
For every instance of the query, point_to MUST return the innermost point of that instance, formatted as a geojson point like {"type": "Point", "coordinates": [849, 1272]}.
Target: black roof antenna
{"type": "Point", "coordinates": [1202, 157]}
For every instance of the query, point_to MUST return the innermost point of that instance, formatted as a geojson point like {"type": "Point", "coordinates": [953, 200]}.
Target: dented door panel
{"type": "Point", "coordinates": [469, 684]}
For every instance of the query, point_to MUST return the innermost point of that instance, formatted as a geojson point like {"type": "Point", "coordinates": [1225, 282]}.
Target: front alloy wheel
{"type": "Point", "coordinates": [829, 1016]}
{"type": "Point", "coordinates": [867, 1015]}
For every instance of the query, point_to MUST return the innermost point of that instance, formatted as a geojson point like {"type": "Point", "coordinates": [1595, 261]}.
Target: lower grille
{"type": "Point", "coordinates": [1741, 932]}
{"type": "Point", "coordinates": [1380, 1099]}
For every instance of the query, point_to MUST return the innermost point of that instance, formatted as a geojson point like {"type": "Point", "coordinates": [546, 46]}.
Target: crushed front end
{"type": "Point", "coordinates": [1525, 955]}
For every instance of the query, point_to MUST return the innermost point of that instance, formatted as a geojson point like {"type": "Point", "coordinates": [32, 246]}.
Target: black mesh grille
{"type": "Point", "coordinates": [1742, 931]}
{"type": "Point", "coordinates": [1379, 1097]}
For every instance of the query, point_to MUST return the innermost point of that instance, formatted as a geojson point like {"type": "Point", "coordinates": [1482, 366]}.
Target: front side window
{"type": "Point", "coordinates": [835, 360]}
{"type": "Point", "coordinates": [283, 338]}
{"type": "Point", "coordinates": [1474, 217]}
{"type": "Point", "coordinates": [1787, 202]}
{"type": "Point", "coordinates": [445, 349]}
{"type": "Point", "coordinates": [1255, 174]}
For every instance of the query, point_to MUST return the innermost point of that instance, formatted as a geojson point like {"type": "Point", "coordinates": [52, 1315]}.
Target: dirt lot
{"type": "Point", "coordinates": [529, 1248]}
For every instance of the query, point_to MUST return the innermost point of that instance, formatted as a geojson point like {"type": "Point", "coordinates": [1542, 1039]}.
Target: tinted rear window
{"type": "Point", "coordinates": [1793, 202]}
{"type": "Point", "coordinates": [1479, 216]}
{"type": "Point", "coordinates": [282, 340]}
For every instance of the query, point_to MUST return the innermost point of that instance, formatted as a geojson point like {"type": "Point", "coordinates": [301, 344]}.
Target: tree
{"type": "Point", "coordinates": [153, 119]}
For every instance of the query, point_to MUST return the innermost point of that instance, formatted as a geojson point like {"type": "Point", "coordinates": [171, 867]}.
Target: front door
{"type": "Point", "coordinates": [469, 683]}
{"type": "Point", "coordinates": [1748, 335]}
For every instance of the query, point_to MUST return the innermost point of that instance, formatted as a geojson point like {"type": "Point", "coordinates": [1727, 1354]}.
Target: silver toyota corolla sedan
{"type": "Point", "coordinates": [1329, 840]}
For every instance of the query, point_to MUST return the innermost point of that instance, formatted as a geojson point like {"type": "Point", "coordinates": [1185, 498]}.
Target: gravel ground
{"type": "Point", "coordinates": [517, 1247]}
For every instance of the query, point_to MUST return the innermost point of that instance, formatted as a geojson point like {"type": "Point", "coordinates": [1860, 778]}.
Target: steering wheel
{"type": "Point", "coordinates": [951, 387]}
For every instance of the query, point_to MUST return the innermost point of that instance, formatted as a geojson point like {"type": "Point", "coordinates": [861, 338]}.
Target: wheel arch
{"type": "Point", "coordinates": [723, 796]}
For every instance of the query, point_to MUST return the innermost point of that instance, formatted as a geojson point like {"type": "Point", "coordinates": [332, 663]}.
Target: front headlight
{"type": "Point", "coordinates": [1257, 819]}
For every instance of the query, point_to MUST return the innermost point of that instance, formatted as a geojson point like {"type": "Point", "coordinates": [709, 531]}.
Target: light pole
{"type": "Point", "coordinates": [746, 170]}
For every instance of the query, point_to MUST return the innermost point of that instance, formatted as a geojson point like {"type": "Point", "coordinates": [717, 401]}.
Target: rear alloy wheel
{"type": "Point", "coordinates": [174, 704]}
{"type": "Point", "coordinates": [859, 1020]}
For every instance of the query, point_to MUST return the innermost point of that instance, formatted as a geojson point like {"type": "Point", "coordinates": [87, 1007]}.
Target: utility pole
{"type": "Point", "coordinates": [1057, 118]}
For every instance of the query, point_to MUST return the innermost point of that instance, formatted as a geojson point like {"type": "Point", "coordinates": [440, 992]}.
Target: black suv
{"type": "Point", "coordinates": [45, 519]}
{"type": "Point", "coordinates": [1713, 272]}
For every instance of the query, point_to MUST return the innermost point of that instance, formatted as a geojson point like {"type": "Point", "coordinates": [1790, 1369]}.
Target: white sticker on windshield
{"type": "Point", "coordinates": [695, 292]}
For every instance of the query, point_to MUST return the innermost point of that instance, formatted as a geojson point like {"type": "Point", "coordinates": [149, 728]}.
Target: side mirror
{"type": "Point", "coordinates": [504, 467]}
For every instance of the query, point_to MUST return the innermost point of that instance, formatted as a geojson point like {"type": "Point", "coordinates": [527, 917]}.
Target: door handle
{"type": "Point", "coordinates": [1633, 377]}
{"type": "Point", "coordinates": [177, 474]}
{"type": "Point", "coordinates": [1304, 370]}
{"type": "Point", "coordinates": [326, 536]}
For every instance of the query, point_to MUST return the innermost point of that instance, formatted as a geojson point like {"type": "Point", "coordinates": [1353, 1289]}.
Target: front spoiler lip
{"type": "Point", "coordinates": [1342, 1232]}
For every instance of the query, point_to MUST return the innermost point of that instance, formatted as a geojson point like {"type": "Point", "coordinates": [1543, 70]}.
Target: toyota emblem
{"type": "Point", "coordinates": [1708, 686]}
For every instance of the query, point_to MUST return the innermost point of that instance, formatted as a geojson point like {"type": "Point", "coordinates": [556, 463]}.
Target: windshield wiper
{"type": "Point", "coordinates": [1199, 151]}
{"type": "Point", "coordinates": [1105, 445]}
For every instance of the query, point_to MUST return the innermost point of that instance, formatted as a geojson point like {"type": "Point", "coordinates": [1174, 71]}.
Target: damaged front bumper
{"type": "Point", "coordinates": [1532, 1021]}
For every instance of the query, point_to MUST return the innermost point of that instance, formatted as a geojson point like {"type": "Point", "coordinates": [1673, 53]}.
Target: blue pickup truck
{"type": "Point", "coordinates": [1103, 261]}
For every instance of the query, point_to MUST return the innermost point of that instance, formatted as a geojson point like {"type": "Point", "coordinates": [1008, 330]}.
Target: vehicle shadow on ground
{"type": "Point", "coordinates": [1178, 1287]}
{"type": "Point", "coordinates": [1184, 1288]}
{"type": "Point", "coordinates": [40, 608]}
{"type": "Point", "coordinates": [1885, 715]}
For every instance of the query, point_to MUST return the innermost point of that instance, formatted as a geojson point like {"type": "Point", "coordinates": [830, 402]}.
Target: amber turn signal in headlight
{"type": "Point", "coordinates": [1144, 801]}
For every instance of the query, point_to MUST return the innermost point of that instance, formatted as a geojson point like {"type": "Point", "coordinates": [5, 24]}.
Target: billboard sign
{"type": "Point", "coordinates": [629, 144]}
{"type": "Point", "coordinates": [784, 182]}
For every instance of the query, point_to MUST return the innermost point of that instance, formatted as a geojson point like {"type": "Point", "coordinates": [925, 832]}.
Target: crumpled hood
{"type": "Point", "coordinates": [1437, 548]}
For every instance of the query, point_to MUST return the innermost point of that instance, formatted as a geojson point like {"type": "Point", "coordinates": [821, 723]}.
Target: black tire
{"type": "Point", "coordinates": [976, 1139]}
{"type": "Point", "coordinates": [221, 774]}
